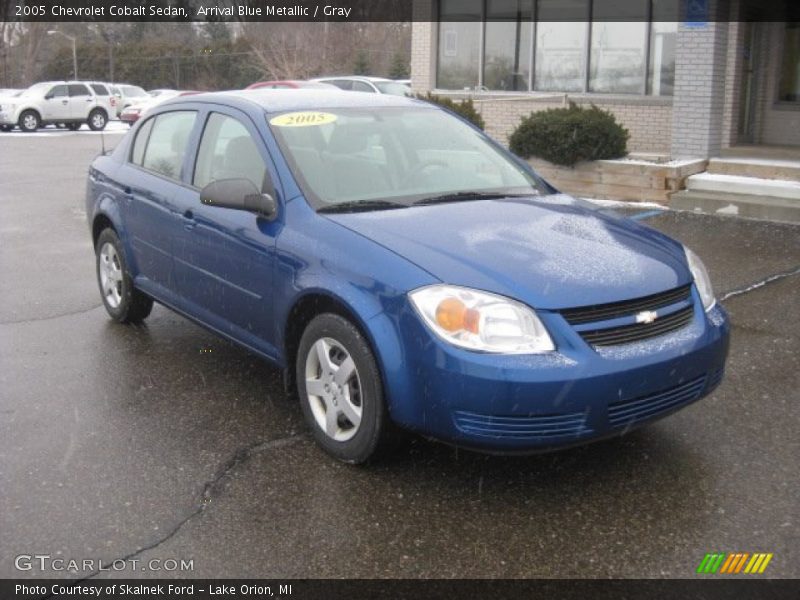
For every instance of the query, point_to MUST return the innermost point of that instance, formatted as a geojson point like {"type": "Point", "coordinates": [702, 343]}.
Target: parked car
{"type": "Point", "coordinates": [70, 102]}
{"type": "Point", "coordinates": [127, 94]}
{"type": "Point", "coordinates": [401, 266]}
{"type": "Point", "coordinates": [375, 85]}
{"type": "Point", "coordinates": [290, 84]}
{"type": "Point", "coordinates": [134, 112]}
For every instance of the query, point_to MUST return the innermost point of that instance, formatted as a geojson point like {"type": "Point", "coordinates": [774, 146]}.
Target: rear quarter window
{"type": "Point", "coordinates": [99, 89]}
{"type": "Point", "coordinates": [140, 143]}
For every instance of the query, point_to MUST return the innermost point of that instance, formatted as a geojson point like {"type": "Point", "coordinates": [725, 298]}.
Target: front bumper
{"type": "Point", "coordinates": [7, 118]}
{"type": "Point", "coordinates": [504, 403]}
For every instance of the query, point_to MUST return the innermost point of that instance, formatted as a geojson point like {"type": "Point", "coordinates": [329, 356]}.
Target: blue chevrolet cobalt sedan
{"type": "Point", "coordinates": [402, 269]}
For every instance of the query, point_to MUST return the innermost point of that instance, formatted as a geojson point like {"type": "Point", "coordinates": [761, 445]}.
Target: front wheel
{"type": "Point", "coordinates": [123, 302]}
{"type": "Point", "coordinates": [97, 120]}
{"type": "Point", "coordinates": [340, 389]}
{"type": "Point", "coordinates": [29, 121]}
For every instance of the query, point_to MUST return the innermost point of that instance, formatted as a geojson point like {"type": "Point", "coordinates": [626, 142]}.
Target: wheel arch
{"type": "Point", "coordinates": [304, 309]}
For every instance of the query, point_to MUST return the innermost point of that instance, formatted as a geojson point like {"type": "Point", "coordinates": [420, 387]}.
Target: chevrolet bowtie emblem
{"type": "Point", "coordinates": [646, 316]}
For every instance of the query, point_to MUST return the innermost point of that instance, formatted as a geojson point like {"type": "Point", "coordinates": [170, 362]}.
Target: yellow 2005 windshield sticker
{"type": "Point", "coordinates": [302, 119]}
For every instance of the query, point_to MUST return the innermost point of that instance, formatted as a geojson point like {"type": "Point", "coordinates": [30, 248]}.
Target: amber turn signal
{"type": "Point", "coordinates": [453, 315]}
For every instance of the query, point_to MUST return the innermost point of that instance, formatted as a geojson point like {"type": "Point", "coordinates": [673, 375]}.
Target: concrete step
{"type": "Point", "coordinates": [768, 208]}
{"type": "Point", "coordinates": [752, 186]}
{"type": "Point", "coordinates": [763, 168]}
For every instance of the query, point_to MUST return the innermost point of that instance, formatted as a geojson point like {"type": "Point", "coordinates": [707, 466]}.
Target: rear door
{"type": "Point", "coordinates": [151, 178]}
{"type": "Point", "coordinates": [81, 101]}
{"type": "Point", "coordinates": [223, 257]}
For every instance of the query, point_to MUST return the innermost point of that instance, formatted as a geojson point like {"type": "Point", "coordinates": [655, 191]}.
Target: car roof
{"type": "Point", "coordinates": [299, 99]}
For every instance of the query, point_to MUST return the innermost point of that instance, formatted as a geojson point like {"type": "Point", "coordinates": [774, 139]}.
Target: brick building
{"type": "Point", "coordinates": [683, 88]}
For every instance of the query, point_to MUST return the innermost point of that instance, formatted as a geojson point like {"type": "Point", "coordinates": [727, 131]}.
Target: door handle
{"type": "Point", "coordinates": [64, 102]}
{"type": "Point", "coordinates": [188, 220]}
{"type": "Point", "coordinates": [88, 99]}
{"type": "Point", "coordinates": [127, 194]}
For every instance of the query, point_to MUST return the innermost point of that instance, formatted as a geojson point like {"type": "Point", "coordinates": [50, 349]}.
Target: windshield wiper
{"type": "Point", "coordinates": [360, 205]}
{"type": "Point", "coordinates": [464, 196]}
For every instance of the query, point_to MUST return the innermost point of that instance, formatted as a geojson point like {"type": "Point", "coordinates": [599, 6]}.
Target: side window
{"type": "Point", "coordinates": [343, 84]}
{"type": "Point", "coordinates": [140, 143]}
{"type": "Point", "coordinates": [78, 89]}
{"type": "Point", "coordinates": [99, 89]}
{"type": "Point", "coordinates": [166, 146]}
{"type": "Point", "coordinates": [228, 151]}
{"type": "Point", "coordinates": [360, 86]}
{"type": "Point", "coordinates": [58, 91]}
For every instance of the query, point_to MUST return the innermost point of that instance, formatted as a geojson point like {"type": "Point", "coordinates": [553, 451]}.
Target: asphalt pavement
{"type": "Point", "coordinates": [163, 442]}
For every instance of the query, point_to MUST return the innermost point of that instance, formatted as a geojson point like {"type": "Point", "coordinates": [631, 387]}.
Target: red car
{"type": "Point", "coordinates": [288, 84]}
{"type": "Point", "coordinates": [134, 112]}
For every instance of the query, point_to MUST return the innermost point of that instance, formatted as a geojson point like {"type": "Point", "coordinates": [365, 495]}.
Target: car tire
{"type": "Point", "coordinates": [123, 302]}
{"type": "Point", "coordinates": [6, 128]}
{"type": "Point", "coordinates": [73, 126]}
{"type": "Point", "coordinates": [29, 121]}
{"type": "Point", "coordinates": [97, 120]}
{"type": "Point", "coordinates": [328, 342]}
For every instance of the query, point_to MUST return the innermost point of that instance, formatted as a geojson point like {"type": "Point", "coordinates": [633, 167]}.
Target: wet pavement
{"type": "Point", "coordinates": [164, 442]}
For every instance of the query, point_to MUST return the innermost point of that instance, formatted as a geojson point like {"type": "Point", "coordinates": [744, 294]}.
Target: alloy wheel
{"type": "Point", "coordinates": [111, 279]}
{"type": "Point", "coordinates": [333, 388]}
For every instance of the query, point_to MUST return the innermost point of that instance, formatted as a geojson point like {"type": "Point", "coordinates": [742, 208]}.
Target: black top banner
{"type": "Point", "coordinates": [395, 10]}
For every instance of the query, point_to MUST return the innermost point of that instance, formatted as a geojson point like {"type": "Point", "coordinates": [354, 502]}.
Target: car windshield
{"type": "Point", "coordinates": [395, 156]}
{"type": "Point", "coordinates": [392, 87]}
{"type": "Point", "coordinates": [133, 91]}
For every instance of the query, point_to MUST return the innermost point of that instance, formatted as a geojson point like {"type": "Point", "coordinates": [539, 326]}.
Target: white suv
{"type": "Point", "coordinates": [69, 102]}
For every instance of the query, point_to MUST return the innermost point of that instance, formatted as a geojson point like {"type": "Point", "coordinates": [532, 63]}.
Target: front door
{"type": "Point", "coordinates": [56, 104]}
{"type": "Point", "coordinates": [224, 257]}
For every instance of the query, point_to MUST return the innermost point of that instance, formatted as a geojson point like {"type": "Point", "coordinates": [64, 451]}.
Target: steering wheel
{"type": "Point", "coordinates": [420, 167]}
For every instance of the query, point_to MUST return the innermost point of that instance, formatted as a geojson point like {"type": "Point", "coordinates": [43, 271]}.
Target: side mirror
{"type": "Point", "coordinates": [239, 194]}
{"type": "Point", "coordinates": [48, 96]}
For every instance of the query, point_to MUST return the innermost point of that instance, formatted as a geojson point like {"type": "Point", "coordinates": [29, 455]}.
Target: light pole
{"type": "Point", "coordinates": [74, 50]}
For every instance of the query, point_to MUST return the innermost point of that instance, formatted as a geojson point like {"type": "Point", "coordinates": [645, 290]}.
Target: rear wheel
{"type": "Point", "coordinates": [29, 121]}
{"type": "Point", "coordinates": [123, 302]}
{"type": "Point", "coordinates": [6, 128]}
{"type": "Point", "coordinates": [340, 389]}
{"type": "Point", "coordinates": [97, 120]}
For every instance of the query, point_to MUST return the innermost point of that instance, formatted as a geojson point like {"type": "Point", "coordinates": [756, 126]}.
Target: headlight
{"type": "Point", "coordinates": [481, 321]}
{"type": "Point", "coordinates": [701, 279]}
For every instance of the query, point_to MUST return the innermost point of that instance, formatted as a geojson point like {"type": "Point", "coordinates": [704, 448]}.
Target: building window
{"type": "Point", "coordinates": [507, 57]}
{"type": "Point", "coordinates": [789, 90]}
{"type": "Point", "coordinates": [459, 44]}
{"type": "Point", "coordinates": [553, 46]}
{"type": "Point", "coordinates": [561, 46]}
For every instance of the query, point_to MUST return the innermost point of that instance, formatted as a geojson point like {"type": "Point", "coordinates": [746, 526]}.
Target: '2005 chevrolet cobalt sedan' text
{"type": "Point", "coordinates": [401, 267]}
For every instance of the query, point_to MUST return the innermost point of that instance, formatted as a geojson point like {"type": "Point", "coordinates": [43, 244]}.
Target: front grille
{"type": "Point", "coordinates": [630, 412]}
{"type": "Point", "coordinates": [613, 310]}
{"type": "Point", "coordinates": [635, 332]}
{"type": "Point", "coordinates": [531, 427]}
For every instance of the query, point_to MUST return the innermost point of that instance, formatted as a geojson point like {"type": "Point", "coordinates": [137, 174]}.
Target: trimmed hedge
{"type": "Point", "coordinates": [464, 108]}
{"type": "Point", "coordinates": [565, 136]}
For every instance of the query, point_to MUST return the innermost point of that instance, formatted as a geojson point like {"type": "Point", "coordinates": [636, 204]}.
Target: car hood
{"type": "Point", "coordinates": [550, 252]}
